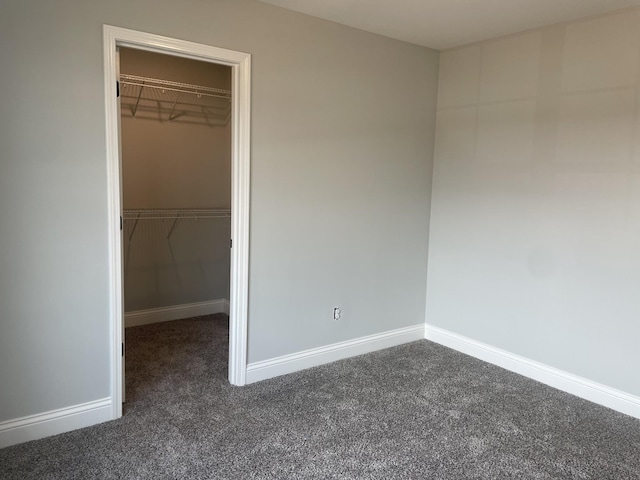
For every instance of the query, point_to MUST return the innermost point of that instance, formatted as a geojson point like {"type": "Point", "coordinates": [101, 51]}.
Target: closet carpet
{"type": "Point", "coordinates": [418, 411]}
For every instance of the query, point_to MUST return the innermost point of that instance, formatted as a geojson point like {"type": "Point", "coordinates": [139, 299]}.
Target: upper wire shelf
{"type": "Point", "coordinates": [166, 100]}
{"type": "Point", "coordinates": [175, 213]}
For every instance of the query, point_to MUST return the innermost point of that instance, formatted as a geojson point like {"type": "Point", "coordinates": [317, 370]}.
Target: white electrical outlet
{"type": "Point", "coordinates": [337, 313]}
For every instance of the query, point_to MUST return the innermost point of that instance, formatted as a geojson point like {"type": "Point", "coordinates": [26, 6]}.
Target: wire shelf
{"type": "Point", "coordinates": [166, 100]}
{"type": "Point", "coordinates": [175, 213]}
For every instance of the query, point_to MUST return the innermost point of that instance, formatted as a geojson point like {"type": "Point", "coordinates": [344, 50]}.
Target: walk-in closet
{"type": "Point", "coordinates": [176, 186]}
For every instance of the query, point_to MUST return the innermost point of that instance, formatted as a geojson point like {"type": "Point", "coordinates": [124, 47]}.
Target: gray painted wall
{"type": "Point", "coordinates": [341, 163]}
{"type": "Point", "coordinates": [535, 221]}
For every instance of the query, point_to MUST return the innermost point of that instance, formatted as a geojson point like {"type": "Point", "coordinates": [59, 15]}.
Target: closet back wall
{"type": "Point", "coordinates": [174, 165]}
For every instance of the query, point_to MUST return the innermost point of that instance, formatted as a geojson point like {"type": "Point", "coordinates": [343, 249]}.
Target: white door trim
{"type": "Point", "coordinates": [240, 64]}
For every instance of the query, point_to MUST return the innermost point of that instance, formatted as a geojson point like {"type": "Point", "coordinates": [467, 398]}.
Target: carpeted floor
{"type": "Point", "coordinates": [418, 411]}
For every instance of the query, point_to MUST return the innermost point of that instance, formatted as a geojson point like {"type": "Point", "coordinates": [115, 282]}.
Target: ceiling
{"type": "Point", "coordinates": [443, 24]}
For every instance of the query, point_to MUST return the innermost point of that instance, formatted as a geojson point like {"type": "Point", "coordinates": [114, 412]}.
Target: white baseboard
{"type": "Point", "coordinates": [330, 353]}
{"type": "Point", "coordinates": [581, 387]}
{"type": "Point", "coordinates": [176, 312]}
{"type": "Point", "coordinates": [54, 422]}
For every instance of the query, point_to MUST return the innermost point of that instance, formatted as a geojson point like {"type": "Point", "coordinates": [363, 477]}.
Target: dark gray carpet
{"type": "Point", "coordinates": [418, 411]}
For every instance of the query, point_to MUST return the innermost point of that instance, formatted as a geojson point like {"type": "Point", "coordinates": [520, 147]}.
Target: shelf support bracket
{"type": "Point", "coordinates": [173, 225]}
{"type": "Point", "coordinates": [133, 230]}
{"type": "Point", "coordinates": [173, 109]}
{"type": "Point", "coordinates": [206, 117]}
{"type": "Point", "coordinates": [134, 109]}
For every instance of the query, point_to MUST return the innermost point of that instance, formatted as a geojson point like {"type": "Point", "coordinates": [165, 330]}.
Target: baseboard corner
{"type": "Point", "coordinates": [567, 382]}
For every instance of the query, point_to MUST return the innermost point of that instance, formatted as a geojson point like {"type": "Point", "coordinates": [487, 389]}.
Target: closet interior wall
{"type": "Point", "coordinates": [176, 177]}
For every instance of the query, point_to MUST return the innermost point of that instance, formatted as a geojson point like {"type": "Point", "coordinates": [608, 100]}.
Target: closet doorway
{"type": "Point", "coordinates": [187, 206]}
{"type": "Point", "coordinates": [175, 135]}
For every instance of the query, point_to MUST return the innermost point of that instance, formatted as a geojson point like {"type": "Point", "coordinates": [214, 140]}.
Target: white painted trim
{"type": "Point", "coordinates": [54, 422]}
{"type": "Point", "coordinates": [240, 64]}
{"type": "Point", "coordinates": [114, 212]}
{"type": "Point", "coordinates": [567, 382]}
{"type": "Point", "coordinates": [240, 201]}
{"type": "Point", "coordinates": [330, 353]}
{"type": "Point", "coordinates": [175, 312]}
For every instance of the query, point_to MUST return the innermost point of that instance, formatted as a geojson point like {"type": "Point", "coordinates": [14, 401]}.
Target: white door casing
{"type": "Point", "coordinates": [240, 64]}
{"type": "Point", "coordinates": [121, 196]}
